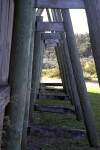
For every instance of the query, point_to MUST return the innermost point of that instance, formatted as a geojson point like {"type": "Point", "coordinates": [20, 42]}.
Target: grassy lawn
{"type": "Point", "coordinates": [67, 121]}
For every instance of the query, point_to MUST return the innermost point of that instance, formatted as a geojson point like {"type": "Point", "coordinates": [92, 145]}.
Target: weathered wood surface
{"type": "Point", "coordinates": [51, 41]}
{"type": "Point", "coordinates": [71, 4]}
{"type": "Point", "coordinates": [53, 97]}
{"type": "Point", "coordinates": [49, 26]}
{"type": "Point", "coordinates": [50, 84]}
{"type": "Point", "coordinates": [37, 67]}
{"type": "Point", "coordinates": [51, 36]}
{"type": "Point", "coordinates": [79, 78]}
{"type": "Point", "coordinates": [50, 45]}
{"type": "Point", "coordinates": [18, 73]}
{"type": "Point", "coordinates": [58, 132]}
{"type": "Point", "coordinates": [93, 17]}
{"type": "Point", "coordinates": [54, 109]}
{"type": "Point", "coordinates": [6, 26]}
{"type": "Point", "coordinates": [4, 96]}
{"type": "Point", "coordinates": [27, 105]}
{"type": "Point", "coordinates": [4, 100]}
{"type": "Point", "coordinates": [51, 90]}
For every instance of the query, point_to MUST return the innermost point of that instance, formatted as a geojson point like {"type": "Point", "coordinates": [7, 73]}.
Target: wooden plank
{"type": "Point", "coordinates": [54, 109]}
{"type": "Point", "coordinates": [50, 84]}
{"type": "Point", "coordinates": [71, 4]}
{"type": "Point", "coordinates": [53, 97]}
{"type": "Point", "coordinates": [51, 90]}
{"type": "Point", "coordinates": [50, 45]}
{"type": "Point", "coordinates": [51, 36]}
{"type": "Point", "coordinates": [49, 26]}
{"type": "Point", "coordinates": [58, 132]}
{"type": "Point", "coordinates": [50, 41]}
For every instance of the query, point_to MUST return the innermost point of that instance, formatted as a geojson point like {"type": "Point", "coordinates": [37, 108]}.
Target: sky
{"type": "Point", "coordinates": [79, 20]}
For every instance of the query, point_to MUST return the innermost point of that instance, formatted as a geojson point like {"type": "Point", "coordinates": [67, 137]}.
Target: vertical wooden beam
{"type": "Point", "coordinates": [85, 104]}
{"type": "Point", "coordinates": [93, 17]}
{"type": "Point", "coordinates": [27, 105]}
{"type": "Point", "coordinates": [18, 74]}
{"type": "Point", "coordinates": [38, 53]}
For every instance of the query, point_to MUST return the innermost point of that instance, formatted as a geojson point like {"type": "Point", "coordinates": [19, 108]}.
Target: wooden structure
{"type": "Point", "coordinates": [21, 59]}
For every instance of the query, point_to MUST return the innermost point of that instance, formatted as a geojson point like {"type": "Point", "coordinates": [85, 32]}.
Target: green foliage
{"type": "Point", "coordinates": [84, 45]}
{"type": "Point", "coordinates": [51, 73]}
{"type": "Point", "coordinates": [89, 70]}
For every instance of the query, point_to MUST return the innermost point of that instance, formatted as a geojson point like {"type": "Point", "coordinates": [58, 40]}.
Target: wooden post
{"type": "Point", "coordinates": [70, 72]}
{"type": "Point", "coordinates": [18, 74]}
{"type": "Point", "coordinates": [38, 55]}
{"type": "Point", "coordinates": [93, 17]}
{"type": "Point", "coordinates": [85, 104]}
{"type": "Point", "coordinates": [27, 105]}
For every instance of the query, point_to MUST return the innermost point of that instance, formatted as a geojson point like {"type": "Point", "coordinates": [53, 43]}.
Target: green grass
{"type": "Point", "coordinates": [68, 121]}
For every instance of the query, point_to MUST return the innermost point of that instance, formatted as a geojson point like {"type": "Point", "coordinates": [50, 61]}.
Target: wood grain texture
{"type": "Point", "coordinates": [71, 4]}
{"type": "Point", "coordinates": [51, 36]}
{"type": "Point", "coordinates": [54, 109]}
{"type": "Point", "coordinates": [49, 26]}
{"type": "Point", "coordinates": [6, 26]}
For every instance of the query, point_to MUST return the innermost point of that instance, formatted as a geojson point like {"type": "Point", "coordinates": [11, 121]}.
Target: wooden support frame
{"type": "Point", "coordinates": [46, 36]}
{"type": "Point", "coordinates": [80, 82]}
{"type": "Point", "coordinates": [37, 66]}
{"type": "Point", "coordinates": [71, 4]}
{"type": "Point", "coordinates": [49, 26]}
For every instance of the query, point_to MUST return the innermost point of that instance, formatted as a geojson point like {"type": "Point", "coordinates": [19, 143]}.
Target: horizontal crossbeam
{"type": "Point", "coordinates": [51, 41]}
{"type": "Point", "coordinates": [50, 45]}
{"type": "Point", "coordinates": [50, 84]}
{"type": "Point", "coordinates": [70, 4]}
{"type": "Point", "coordinates": [51, 90]}
{"type": "Point", "coordinates": [53, 97]}
{"type": "Point", "coordinates": [54, 109]}
{"type": "Point", "coordinates": [58, 132]}
{"type": "Point", "coordinates": [51, 36]}
{"type": "Point", "coordinates": [49, 26]}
